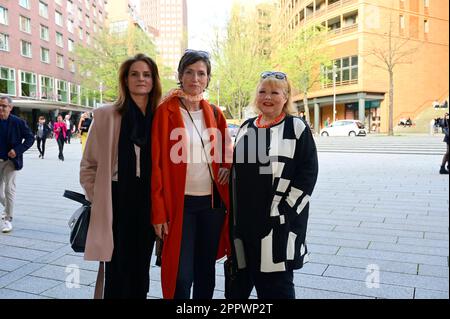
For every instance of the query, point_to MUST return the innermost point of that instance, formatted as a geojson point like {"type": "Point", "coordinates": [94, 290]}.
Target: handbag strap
{"type": "Point", "coordinates": [80, 198]}
{"type": "Point", "coordinates": [100, 283]}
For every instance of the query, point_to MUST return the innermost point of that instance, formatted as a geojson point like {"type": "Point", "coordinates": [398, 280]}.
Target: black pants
{"type": "Point", "coordinates": [200, 240]}
{"type": "Point", "coordinates": [127, 274]}
{"type": "Point", "coordinates": [60, 142]}
{"type": "Point", "coordinates": [269, 285]}
{"type": "Point", "coordinates": [41, 149]}
{"type": "Point", "coordinates": [68, 136]}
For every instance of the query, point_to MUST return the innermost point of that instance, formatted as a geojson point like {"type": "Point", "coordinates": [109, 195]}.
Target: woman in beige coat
{"type": "Point", "coordinates": [115, 174]}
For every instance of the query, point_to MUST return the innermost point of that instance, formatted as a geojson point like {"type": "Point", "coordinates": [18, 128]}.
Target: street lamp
{"type": "Point", "coordinates": [334, 92]}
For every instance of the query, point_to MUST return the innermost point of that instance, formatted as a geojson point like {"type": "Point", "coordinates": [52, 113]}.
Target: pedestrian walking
{"type": "Point", "coordinates": [445, 128]}
{"type": "Point", "coordinates": [15, 139]}
{"type": "Point", "coordinates": [190, 191]}
{"type": "Point", "coordinates": [42, 133]}
{"type": "Point", "coordinates": [69, 128]}
{"type": "Point", "coordinates": [60, 132]}
{"type": "Point", "coordinates": [274, 172]}
{"type": "Point", "coordinates": [115, 174]}
{"type": "Point", "coordinates": [83, 128]}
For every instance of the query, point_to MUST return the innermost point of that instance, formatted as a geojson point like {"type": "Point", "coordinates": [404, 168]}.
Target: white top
{"type": "Point", "coordinates": [198, 179]}
{"type": "Point", "coordinates": [67, 124]}
{"type": "Point", "coordinates": [115, 174]}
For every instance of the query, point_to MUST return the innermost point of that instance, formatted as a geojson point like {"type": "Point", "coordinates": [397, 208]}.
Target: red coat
{"type": "Point", "coordinates": [169, 179]}
{"type": "Point", "coordinates": [63, 130]}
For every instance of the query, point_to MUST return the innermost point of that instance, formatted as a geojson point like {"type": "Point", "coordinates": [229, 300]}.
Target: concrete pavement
{"type": "Point", "coordinates": [378, 228]}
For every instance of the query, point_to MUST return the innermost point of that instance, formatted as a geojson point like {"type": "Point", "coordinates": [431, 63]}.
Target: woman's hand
{"type": "Point", "coordinates": [161, 230]}
{"type": "Point", "coordinates": [224, 174]}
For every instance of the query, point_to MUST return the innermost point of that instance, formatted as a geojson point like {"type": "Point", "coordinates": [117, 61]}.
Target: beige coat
{"type": "Point", "coordinates": [95, 177]}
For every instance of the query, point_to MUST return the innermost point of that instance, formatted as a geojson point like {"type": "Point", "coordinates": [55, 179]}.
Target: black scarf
{"type": "Point", "coordinates": [135, 129]}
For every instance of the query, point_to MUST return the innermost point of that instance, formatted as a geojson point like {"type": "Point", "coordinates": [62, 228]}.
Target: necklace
{"type": "Point", "coordinates": [277, 120]}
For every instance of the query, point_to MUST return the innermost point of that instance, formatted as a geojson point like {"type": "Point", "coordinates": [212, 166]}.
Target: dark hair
{"type": "Point", "coordinates": [124, 92]}
{"type": "Point", "coordinates": [41, 117]}
{"type": "Point", "coordinates": [190, 57]}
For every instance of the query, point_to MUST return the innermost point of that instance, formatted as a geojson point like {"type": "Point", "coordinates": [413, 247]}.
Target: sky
{"type": "Point", "coordinates": [204, 17]}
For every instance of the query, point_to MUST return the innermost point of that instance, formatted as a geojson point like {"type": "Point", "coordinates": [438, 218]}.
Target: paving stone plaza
{"type": "Point", "coordinates": [378, 225]}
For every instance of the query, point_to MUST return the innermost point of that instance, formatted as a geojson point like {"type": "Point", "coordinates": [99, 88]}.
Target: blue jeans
{"type": "Point", "coordinates": [200, 240]}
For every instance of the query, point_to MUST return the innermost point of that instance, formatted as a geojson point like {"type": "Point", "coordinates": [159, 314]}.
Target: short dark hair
{"type": "Point", "coordinates": [193, 56]}
{"type": "Point", "coordinates": [42, 117]}
{"type": "Point", "coordinates": [7, 98]}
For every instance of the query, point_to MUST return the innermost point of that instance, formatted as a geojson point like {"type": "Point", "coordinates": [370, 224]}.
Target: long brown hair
{"type": "Point", "coordinates": [124, 92]}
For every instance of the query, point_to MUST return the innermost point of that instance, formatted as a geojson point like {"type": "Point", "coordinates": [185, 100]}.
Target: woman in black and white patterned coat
{"type": "Point", "coordinates": [273, 176]}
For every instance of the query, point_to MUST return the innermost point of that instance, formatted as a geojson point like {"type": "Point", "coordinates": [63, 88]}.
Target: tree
{"type": "Point", "coordinates": [302, 59]}
{"type": "Point", "coordinates": [239, 60]}
{"type": "Point", "coordinates": [390, 51]}
{"type": "Point", "coordinates": [100, 63]}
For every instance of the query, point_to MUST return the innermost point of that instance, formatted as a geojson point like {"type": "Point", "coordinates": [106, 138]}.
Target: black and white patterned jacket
{"type": "Point", "coordinates": [293, 167]}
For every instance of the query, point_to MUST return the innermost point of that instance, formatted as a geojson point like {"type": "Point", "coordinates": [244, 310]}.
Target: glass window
{"type": "Point", "coordinates": [354, 60]}
{"type": "Point", "coordinates": [25, 4]}
{"type": "Point", "coordinates": [60, 61]}
{"type": "Point", "coordinates": [59, 18]}
{"type": "Point", "coordinates": [345, 62]}
{"type": "Point", "coordinates": [28, 84]}
{"type": "Point", "coordinates": [354, 73]}
{"type": "Point", "coordinates": [88, 22]}
{"type": "Point", "coordinates": [70, 25]}
{"type": "Point", "coordinates": [88, 38]}
{"type": "Point", "coordinates": [58, 2]}
{"type": "Point", "coordinates": [7, 81]}
{"type": "Point", "coordinates": [80, 14]}
{"type": "Point", "coordinates": [345, 75]}
{"type": "Point", "coordinates": [45, 55]}
{"type": "Point", "coordinates": [72, 66]}
{"type": "Point", "coordinates": [80, 33]}
{"type": "Point", "coordinates": [43, 9]}
{"type": "Point", "coordinates": [47, 92]}
{"type": "Point", "coordinates": [59, 39]}
{"type": "Point", "coordinates": [25, 48]}
{"type": "Point", "coordinates": [62, 91]}
{"type": "Point", "coordinates": [4, 42]}
{"type": "Point", "coordinates": [70, 45]}
{"type": "Point", "coordinates": [426, 26]}
{"type": "Point", "coordinates": [25, 24]}
{"type": "Point", "coordinates": [74, 94]}
{"type": "Point", "coordinates": [69, 6]}
{"type": "Point", "coordinates": [44, 33]}
{"type": "Point", "coordinates": [3, 15]}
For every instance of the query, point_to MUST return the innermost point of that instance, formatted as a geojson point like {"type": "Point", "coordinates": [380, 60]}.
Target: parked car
{"type": "Point", "coordinates": [344, 128]}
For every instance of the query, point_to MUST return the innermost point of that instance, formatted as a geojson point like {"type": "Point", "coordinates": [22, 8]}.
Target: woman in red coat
{"type": "Point", "coordinates": [186, 173]}
{"type": "Point", "coordinates": [60, 130]}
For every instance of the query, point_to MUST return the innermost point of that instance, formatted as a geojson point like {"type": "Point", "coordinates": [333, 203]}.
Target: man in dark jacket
{"type": "Point", "coordinates": [15, 139]}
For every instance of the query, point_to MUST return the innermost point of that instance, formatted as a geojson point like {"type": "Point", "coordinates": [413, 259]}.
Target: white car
{"type": "Point", "coordinates": [344, 128]}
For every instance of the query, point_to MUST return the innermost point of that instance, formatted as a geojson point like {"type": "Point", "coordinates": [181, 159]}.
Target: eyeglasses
{"type": "Point", "coordinates": [277, 75]}
{"type": "Point", "coordinates": [201, 53]}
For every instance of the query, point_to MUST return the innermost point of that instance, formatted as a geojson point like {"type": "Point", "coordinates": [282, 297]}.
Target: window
{"type": "Point", "coordinates": [3, 15]}
{"type": "Point", "coordinates": [402, 22]}
{"type": "Point", "coordinates": [59, 18]}
{"type": "Point", "coordinates": [88, 22]}
{"type": "Point", "coordinates": [86, 2]}
{"type": "Point", "coordinates": [59, 39]}
{"type": "Point", "coordinates": [44, 33]}
{"type": "Point", "coordinates": [70, 45]}
{"type": "Point", "coordinates": [25, 48]}
{"type": "Point", "coordinates": [72, 66]}
{"type": "Point", "coordinates": [28, 84]}
{"type": "Point", "coordinates": [426, 3]}
{"type": "Point", "coordinates": [346, 69]}
{"type": "Point", "coordinates": [74, 94]}
{"type": "Point", "coordinates": [43, 9]}
{"type": "Point", "coordinates": [80, 33]}
{"type": "Point", "coordinates": [69, 6]}
{"type": "Point", "coordinates": [70, 25]}
{"type": "Point", "coordinates": [80, 14]}
{"type": "Point", "coordinates": [62, 91]}
{"type": "Point", "coordinates": [58, 2]}
{"type": "Point", "coordinates": [95, 27]}
{"type": "Point", "coordinates": [24, 4]}
{"type": "Point", "coordinates": [88, 38]}
{"type": "Point", "coordinates": [60, 61]}
{"type": "Point", "coordinates": [7, 81]}
{"type": "Point", "coordinates": [426, 26]}
{"type": "Point", "coordinates": [4, 42]}
{"type": "Point", "coordinates": [45, 55]}
{"type": "Point", "coordinates": [47, 85]}
{"type": "Point", "coordinates": [25, 24]}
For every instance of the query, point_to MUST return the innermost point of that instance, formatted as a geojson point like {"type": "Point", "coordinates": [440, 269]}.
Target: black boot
{"type": "Point", "coordinates": [443, 170]}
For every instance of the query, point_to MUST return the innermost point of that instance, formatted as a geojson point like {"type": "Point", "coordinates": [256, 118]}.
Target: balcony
{"type": "Point", "coordinates": [341, 31]}
{"type": "Point", "coordinates": [340, 83]}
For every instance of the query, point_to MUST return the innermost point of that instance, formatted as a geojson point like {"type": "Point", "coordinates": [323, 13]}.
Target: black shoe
{"type": "Point", "coordinates": [443, 170]}
{"type": "Point", "coordinates": [40, 155]}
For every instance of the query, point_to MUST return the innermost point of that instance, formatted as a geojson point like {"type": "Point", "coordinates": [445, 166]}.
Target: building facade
{"type": "Point", "coordinates": [169, 20]}
{"type": "Point", "coordinates": [358, 30]}
{"type": "Point", "coordinates": [37, 67]}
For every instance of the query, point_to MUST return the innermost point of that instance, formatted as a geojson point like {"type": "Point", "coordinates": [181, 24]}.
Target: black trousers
{"type": "Point", "coordinates": [60, 142]}
{"type": "Point", "coordinates": [200, 240]}
{"type": "Point", "coordinates": [68, 136]}
{"type": "Point", "coordinates": [41, 145]}
{"type": "Point", "coordinates": [268, 285]}
{"type": "Point", "coordinates": [127, 274]}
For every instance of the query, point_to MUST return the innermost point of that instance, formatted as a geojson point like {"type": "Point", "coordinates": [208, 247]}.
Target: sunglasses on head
{"type": "Point", "coordinates": [277, 75]}
{"type": "Point", "coordinates": [201, 53]}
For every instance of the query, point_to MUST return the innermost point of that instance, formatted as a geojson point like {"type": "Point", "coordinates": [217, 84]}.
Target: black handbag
{"type": "Point", "coordinates": [79, 222]}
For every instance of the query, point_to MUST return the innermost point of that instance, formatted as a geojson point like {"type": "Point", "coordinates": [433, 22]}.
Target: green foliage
{"type": "Point", "coordinates": [238, 61]}
{"type": "Point", "coordinates": [101, 62]}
